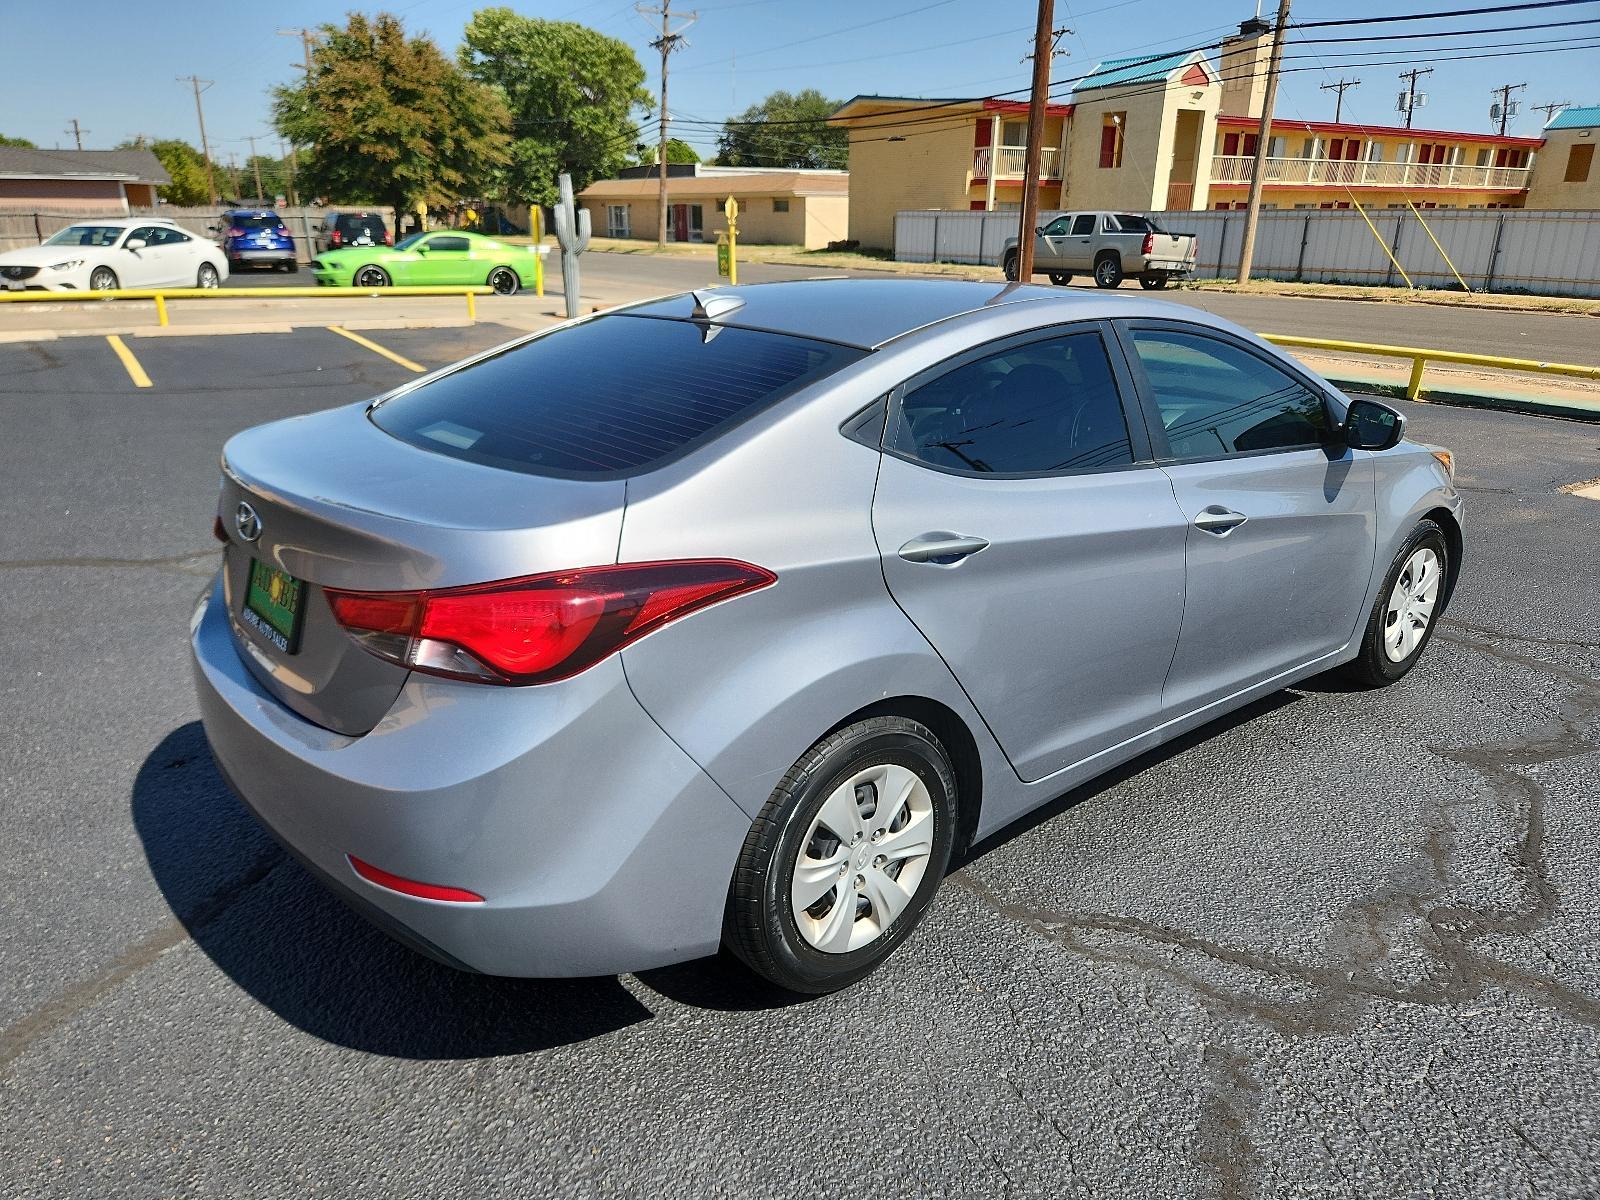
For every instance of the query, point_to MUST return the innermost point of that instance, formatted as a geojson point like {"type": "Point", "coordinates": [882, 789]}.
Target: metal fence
{"type": "Point", "coordinates": [1507, 250]}
{"type": "Point", "coordinates": [20, 228]}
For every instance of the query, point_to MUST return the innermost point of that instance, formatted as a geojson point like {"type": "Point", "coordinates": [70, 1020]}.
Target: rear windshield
{"type": "Point", "coordinates": [1132, 223]}
{"type": "Point", "coordinates": [240, 221]}
{"type": "Point", "coordinates": [610, 397]}
{"type": "Point", "coordinates": [349, 224]}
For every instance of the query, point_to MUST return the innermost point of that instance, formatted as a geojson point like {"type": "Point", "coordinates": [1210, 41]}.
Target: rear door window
{"type": "Point", "coordinates": [1041, 408]}
{"type": "Point", "coordinates": [606, 398]}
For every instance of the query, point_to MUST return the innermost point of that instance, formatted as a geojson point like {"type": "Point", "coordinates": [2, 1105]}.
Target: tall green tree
{"type": "Point", "coordinates": [678, 151]}
{"type": "Point", "coordinates": [785, 130]}
{"type": "Point", "coordinates": [572, 94]}
{"type": "Point", "coordinates": [390, 118]}
{"type": "Point", "coordinates": [22, 143]}
{"type": "Point", "coordinates": [183, 163]}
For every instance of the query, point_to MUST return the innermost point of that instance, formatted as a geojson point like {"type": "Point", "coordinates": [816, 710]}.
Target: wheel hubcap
{"type": "Point", "coordinates": [1409, 610]}
{"type": "Point", "coordinates": [862, 859]}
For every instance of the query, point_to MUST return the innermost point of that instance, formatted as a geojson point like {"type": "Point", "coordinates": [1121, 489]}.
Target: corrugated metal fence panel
{"type": "Point", "coordinates": [19, 229]}
{"type": "Point", "coordinates": [1546, 253]}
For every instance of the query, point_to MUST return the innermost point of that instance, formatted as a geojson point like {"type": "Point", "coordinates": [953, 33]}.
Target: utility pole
{"type": "Point", "coordinates": [1258, 170]}
{"type": "Point", "coordinates": [77, 132]}
{"type": "Point", "coordinates": [1410, 94]}
{"type": "Point", "coordinates": [294, 200]}
{"type": "Point", "coordinates": [308, 39]}
{"type": "Point", "coordinates": [1504, 92]}
{"type": "Point", "coordinates": [233, 174]}
{"type": "Point", "coordinates": [1341, 87]}
{"type": "Point", "coordinates": [205, 147]}
{"type": "Point", "coordinates": [670, 40]}
{"type": "Point", "coordinates": [255, 161]}
{"type": "Point", "coordinates": [1043, 52]}
{"type": "Point", "coordinates": [1550, 110]}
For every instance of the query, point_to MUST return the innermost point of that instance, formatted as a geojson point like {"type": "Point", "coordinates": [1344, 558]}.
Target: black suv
{"type": "Point", "coordinates": [339, 230]}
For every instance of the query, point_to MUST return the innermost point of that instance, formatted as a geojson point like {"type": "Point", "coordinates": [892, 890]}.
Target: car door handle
{"type": "Point", "coordinates": [941, 548]}
{"type": "Point", "coordinates": [1218, 520]}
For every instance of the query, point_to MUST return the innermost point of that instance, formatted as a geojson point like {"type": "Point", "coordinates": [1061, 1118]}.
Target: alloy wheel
{"type": "Point", "coordinates": [103, 279]}
{"type": "Point", "coordinates": [863, 858]}
{"type": "Point", "coordinates": [208, 276]}
{"type": "Point", "coordinates": [1411, 604]}
{"type": "Point", "coordinates": [371, 277]}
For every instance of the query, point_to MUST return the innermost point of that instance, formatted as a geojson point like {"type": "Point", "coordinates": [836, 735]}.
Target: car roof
{"type": "Point", "coordinates": [251, 212]}
{"type": "Point", "coordinates": [868, 313]}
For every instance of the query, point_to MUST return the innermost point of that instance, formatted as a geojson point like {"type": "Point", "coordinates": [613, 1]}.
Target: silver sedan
{"type": "Point", "coordinates": [729, 618]}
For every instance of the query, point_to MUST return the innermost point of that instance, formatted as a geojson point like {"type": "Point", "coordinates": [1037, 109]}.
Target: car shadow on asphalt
{"type": "Point", "coordinates": [299, 951]}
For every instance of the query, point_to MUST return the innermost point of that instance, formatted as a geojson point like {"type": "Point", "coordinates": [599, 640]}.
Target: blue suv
{"type": "Point", "coordinates": [256, 235]}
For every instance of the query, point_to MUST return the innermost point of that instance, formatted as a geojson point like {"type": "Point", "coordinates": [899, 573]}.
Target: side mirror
{"type": "Point", "coordinates": [1039, 229]}
{"type": "Point", "coordinates": [134, 244]}
{"type": "Point", "coordinates": [1369, 425]}
{"type": "Point", "coordinates": [422, 249]}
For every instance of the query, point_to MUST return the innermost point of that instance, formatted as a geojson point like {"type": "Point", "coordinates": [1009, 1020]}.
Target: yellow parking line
{"type": "Point", "coordinates": [377, 349]}
{"type": "Point", "coordinates": [135, 371]}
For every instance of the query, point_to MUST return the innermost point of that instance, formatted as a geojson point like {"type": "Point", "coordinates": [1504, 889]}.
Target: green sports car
{"type": "Point", "coordinates": [447, 257]}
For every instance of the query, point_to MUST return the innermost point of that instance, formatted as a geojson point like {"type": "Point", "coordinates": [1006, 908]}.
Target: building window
{"type": "Point", "coordinates": [617, 221]}
{"type": "Point", "coordinates": [1113, 129]}
{"type": "Point", "coordinates": [780, 206]}
{"type": "Point", "coordinates": [1013, 133]}
{"type": "Point", "coordinates": [1375, 152]}
{"type": "Point", "coordinates": [1579, 160]}
{"type": "Point", "coordinates": [1483, 157]}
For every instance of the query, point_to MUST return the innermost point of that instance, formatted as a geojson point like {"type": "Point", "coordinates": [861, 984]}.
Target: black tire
{"type": "Point", "coordinates": [1373, 667]}
{"type": "Point", "coordinates": [103, 279]}
{"type": "Point", "coordinates": [1060, 278]}
{"type": "Point", "coordinates": [1009, 264]}
{"type": "Point", "coordinates": [1152, 283]}
{"type": "Point", "coordinates": [504, 281]}
{"type": "Point", "coordinates": [1108, 271]}
{"type": "Point", "coordinates": [294, 266]}
{"type": "Point", "coordinates": [205, 273]}
{"type": "Point", "coordinates": [759, 926]}
{"type": "Point", "coordinates": [370, 276]}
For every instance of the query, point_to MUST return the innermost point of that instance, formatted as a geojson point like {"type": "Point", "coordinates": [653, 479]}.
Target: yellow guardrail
{"type": "Point", "coordinates": [162, 295]}
{"type": "Point", "coordinates": [1420, 358]}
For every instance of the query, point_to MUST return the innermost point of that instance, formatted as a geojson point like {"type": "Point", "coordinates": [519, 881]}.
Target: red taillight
{"type": "Point", "coordinates": [217, 531]}
{"type": "Point", "coordinates": [410, 887]}
{"type": "Point", "coordinates": [335, 238]}
{"type": "Point", "coordinates": [1149, 244]}
{"type": "Point", "coordinates": [236, 232]}
{"type": "Point", "coordinates": [541, 628]}
{"type": "Point", "coordinates": [388, 238]}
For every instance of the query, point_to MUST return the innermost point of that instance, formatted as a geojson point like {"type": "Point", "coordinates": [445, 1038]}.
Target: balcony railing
{"type": "Point", "coordinates": [1008, 162]}
{"type": "Point", "coordinates": [1361, 173]}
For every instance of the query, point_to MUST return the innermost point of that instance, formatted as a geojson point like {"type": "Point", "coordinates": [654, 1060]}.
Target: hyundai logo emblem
{"type": "Point", "coordinates": [247, 522]}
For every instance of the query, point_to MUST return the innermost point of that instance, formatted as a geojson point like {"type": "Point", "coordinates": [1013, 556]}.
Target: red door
{"type": "Point", "coordinates": [680, 222]}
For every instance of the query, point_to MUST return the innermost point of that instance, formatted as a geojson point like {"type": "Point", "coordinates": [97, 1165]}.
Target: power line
{"type": "Point", "coordinates": [1408, 98]}
{"type": "Point", "coordinates": [1550, 110]}
{"type": "Point", "coordinates": [1440, 15]}
{"type": "Point", "coordinates": [77, 132]}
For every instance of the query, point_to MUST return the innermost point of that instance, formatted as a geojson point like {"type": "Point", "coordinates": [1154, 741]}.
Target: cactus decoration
{"type": "Point", "coordinates": [572, 231]}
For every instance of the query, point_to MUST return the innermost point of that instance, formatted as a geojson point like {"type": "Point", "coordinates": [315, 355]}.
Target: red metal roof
{"type": "Point", "coordinates": [1280, 124]}
{"type": "Point", "coordinates": [1021, 106]}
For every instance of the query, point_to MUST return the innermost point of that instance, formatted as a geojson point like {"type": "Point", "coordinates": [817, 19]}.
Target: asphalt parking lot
{"type": "Point", "coordinates": [1340, 944]}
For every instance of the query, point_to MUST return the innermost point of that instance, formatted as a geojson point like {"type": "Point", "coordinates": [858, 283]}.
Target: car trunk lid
{"type": "Point", "coordinates": [334, 502]}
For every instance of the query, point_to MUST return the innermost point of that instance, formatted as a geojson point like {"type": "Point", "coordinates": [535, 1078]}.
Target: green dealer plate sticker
{"type": "Point", "coordinates": [272, 605]}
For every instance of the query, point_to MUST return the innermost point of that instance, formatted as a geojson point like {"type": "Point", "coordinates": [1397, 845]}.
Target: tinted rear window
{"type": "Point", "coordinates": [610, 397]}
{"type": "Point", "coordinates": [242, 222]}
{"type": "Point", "coordinates": [349, 224]}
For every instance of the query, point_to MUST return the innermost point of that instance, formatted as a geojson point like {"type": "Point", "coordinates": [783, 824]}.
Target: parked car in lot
{"type": "Point", "coordinates": [253, 237]}
{"type": "Point", "coordinates": [448, 257]}
{"type": "Point", "coordinates": [1110, 247]}
{"type": "Point", "coordinates": [340, 230]}
{"type": "Point", "coordinates": [103, 253]}
{"type": "Point", "coordinates": [729, 617]}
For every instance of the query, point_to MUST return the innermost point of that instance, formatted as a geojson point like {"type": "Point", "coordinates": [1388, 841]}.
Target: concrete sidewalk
{"type": "Point", "coordinates": [1512, 391]}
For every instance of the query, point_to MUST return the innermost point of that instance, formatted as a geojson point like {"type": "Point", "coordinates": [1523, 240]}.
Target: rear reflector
{"type": "Point", "coordinates": [410, 887]}
{"type": "Point", "coordinates": [217, 531]}
{"type": "Point", "coordinates": [541, 628]}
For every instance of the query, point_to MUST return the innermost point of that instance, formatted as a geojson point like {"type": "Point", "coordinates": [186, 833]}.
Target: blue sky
{"type": "Point", "coordinates": [123, 67]}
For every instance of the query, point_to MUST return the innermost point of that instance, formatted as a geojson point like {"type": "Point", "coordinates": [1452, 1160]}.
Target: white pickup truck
{"type": "Point", "coordinates": [1111, 246]}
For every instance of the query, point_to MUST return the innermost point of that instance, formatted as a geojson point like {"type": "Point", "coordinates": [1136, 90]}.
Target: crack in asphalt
{"type": "Point", "coordinates": [170, 560]}
{"type": "Point", "coordinates": [1297, 998]}
{"type": "Point", "coordinates": [17, 1038]}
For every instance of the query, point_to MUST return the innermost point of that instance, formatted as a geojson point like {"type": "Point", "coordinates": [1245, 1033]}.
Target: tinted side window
{"type": "Point", "coordinates": [1216, 398]}
{"type": "Point", "coordinates": [1083, 224]}
{"type": "Point", "coordinates": [167, 237]}
{"type": "Point", "coordinates": [448, 243]}
{"type": "Point", "coordinates": [1058, 227]}
{"type": "Point", "coordinates": [1043, 407]}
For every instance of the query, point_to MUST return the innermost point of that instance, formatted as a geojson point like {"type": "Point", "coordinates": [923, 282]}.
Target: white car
{"type": "Point", "coordinates": [100, 254]}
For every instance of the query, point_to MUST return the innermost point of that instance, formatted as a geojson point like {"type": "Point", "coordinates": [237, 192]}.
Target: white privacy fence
{"type": "Point", "coordinates": [1506, 250]}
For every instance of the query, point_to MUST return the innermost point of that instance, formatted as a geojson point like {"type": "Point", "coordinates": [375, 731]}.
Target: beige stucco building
{"type": "Point", "coordinates": [1569, 167]}
{"type": "Point", "coordinates": [1180, 131]}
{"type": "Point", "coordinates": [785, 208]}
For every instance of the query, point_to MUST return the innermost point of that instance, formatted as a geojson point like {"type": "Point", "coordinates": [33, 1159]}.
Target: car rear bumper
{"type": "Point", "coordinates": [283, 255]}
{"type": "Point", "coordinates": [1168, 266]}
{"type": "Point", "coordinates": [597, 844]}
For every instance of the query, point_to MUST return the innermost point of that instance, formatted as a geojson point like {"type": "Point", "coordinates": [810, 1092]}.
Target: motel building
{"type": "Point", "coordinates": [1177, 132]}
